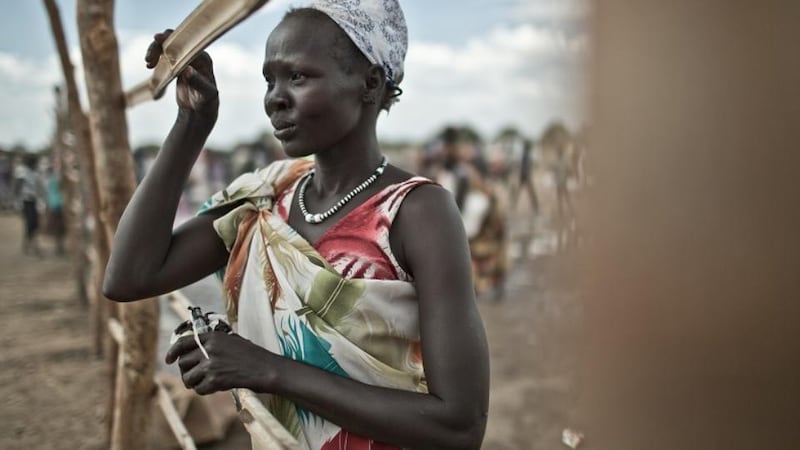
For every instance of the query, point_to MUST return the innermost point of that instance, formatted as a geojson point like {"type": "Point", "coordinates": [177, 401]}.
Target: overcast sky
{"type": "Point", "coordinates": [486, 63]}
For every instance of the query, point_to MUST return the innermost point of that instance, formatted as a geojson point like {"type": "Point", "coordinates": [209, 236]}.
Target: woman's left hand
{"type": "Point", "coordinates": [233, 362]}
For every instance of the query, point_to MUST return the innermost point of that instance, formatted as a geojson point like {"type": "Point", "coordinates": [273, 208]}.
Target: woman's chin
{"type": "Point", "coordinates": [296, 150]}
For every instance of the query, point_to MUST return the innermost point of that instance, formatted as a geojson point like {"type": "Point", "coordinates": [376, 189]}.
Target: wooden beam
{"type": "Point", "coordinates": [116, 331]}
{"type": "Point", "coordinates": [173, 417]}
{"type": "Point", "coordinates": [179, 304]}
{"type": "Point", "coordinates": [265, 430]}
{"type": "Point", "coordinates": [210, 20]}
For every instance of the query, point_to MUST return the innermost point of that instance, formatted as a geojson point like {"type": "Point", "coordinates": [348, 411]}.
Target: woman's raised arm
{"type": "Point", "coordinates": [147, 257]}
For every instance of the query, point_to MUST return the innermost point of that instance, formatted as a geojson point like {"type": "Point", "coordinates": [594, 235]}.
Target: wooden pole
{"type": "Point", "coordinates": [116, 181]}
{"type": "Point", "coordinates": [166, 404]}
{"type": "Point", "coordinates": [173, 417]}
{"type": "Point", "coordinates": [69, 181]}
{"type": "Point", "coordinates": [84, 146]}
{"type": "Point", "coordinates": [96, 257]}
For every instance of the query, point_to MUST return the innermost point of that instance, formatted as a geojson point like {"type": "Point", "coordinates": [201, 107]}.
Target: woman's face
{"type": "Point", "coordinates": [312, 102]}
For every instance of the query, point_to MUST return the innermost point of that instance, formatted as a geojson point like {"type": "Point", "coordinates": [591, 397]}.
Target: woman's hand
{"type": "Point", "coordinates": [196, 87]}
{"type": "Point", "coordinates": [233, 362]}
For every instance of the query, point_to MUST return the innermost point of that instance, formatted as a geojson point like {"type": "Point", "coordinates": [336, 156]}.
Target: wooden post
{"type": "Point", "coordinates": [69, 180]}
{"type": "Point", "coordinates": [116, 181]}
{"type": "Point", "coordinates": [83, 144]}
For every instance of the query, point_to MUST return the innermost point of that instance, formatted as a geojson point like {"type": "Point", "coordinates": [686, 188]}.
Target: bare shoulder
{"type": "Point", "coordinates": [421, 197]}
{"type": "Point", "coordinates": [428, 201]}
{"type": "Point", "coordinates": [429, 222]}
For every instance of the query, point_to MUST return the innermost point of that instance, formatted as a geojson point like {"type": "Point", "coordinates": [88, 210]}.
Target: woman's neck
{"type": "Point", "coordinates": [340, 169]}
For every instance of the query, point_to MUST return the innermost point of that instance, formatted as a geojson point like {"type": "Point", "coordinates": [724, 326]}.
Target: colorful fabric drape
{"type": "Point", "coordinates": [283, 295]}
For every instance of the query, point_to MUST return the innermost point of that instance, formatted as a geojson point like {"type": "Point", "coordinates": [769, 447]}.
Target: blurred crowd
{"type": "Point", "coordinates": [488, 180]}
{"type": "Point", "coordinates": [515, 192]}
{"type": "Point", "coordinates": [30, 185]}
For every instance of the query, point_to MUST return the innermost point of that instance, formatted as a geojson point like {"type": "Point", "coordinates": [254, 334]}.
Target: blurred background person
{"type": "Point", "coordinates": [28, 188]}
{"type": "Point", "coordinates": [54, 213]}
{"type": "Point", "coordinates": [524, 179]}
{"type": "Point", "coordinates": [562, 172]}
{"type": "Point", "coordinates": [6, 182]}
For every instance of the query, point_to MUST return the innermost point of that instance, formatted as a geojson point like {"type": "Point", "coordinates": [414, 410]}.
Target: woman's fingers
{"type": "Point", "coordinates": [155, 49]}
{"type": "Point", "coordinates": [203, 66]}
{"type": "Point", "coordinates": [199, 82]}
{"type": "Point", "coordinates": [161, 37]}
{"type": "Point", "coordinates": [203, 63]}
{"type": "Point", "coordinates": [180, 347]}
{"type": "Point", "coordinates": [197, 89]}
{"type": "Point", "coordinates": [193, 376]}
{"type": "Point", "coordinates": [188, 360]}
{"type": "Point", "coordinates": [153, 53]}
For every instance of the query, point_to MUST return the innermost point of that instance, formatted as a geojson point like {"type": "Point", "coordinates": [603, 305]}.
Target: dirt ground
{"type": "Point", "coordinates": [55, 390]}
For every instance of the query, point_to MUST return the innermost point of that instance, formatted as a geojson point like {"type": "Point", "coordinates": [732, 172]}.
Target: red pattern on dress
{"type": "Point", "coordinates": [358, 244]}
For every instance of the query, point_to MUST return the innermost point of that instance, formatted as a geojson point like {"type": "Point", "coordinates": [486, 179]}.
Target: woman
{"type": "Point", "coordinates": [319, 263]}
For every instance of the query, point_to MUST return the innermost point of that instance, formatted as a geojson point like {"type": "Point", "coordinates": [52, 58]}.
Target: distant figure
{"type": "Point", "coordinates": [55, 213]}
{"type": "Point", "coordinates": [6, 181]}
{"type": "Point", "coordinates": [28, 191]}
{"type": "Point", "coordinates": [449, 169]}
{"type": "Point", "coordinates": [525, 181]}
{"type": "Point", "coordinates": [562, 171]}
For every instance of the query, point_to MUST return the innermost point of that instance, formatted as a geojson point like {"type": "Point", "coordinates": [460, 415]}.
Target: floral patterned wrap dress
{"type": "Point", "coordinates": [344, 305]}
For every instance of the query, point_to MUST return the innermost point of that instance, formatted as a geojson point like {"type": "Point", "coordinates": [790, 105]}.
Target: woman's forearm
{"type": "Point", "coordinates": [408, 419]}
{"type": "Point", "coordinates": [144, 233]}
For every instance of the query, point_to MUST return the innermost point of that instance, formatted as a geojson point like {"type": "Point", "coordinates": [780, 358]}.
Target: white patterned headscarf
{"type": "Point", "coordinates": [377, 27]}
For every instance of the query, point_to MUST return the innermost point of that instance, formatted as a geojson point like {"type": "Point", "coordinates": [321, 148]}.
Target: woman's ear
{"type": "Point", "coordinates": [374, 84]}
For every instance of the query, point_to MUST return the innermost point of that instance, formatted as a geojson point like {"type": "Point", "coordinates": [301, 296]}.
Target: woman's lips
{"type": "Point", "coordinates": [285, 132]}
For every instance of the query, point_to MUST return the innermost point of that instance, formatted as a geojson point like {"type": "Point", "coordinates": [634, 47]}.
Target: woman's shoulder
{"type": "Point", "coordinates": [404, 184]}
{"type": "Point", "coordinates": [396, 176]}
{"type": "Point", "coordinates": [421, 196]}
{"type": "Point", "coordinates": [426, 196]}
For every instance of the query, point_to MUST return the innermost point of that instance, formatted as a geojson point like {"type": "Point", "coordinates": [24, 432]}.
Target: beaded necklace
{"type": "Point", "coordinates": [319, 217]}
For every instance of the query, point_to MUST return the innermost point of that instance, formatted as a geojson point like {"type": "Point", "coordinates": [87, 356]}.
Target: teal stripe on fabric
{"type": "Point", "coordinates": [301, 344]}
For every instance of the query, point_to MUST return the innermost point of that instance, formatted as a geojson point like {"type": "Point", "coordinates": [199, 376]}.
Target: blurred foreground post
{"type": "Point", "coordinates": [693, 285]}
{"type": "Point", "coordinates": [134, 392]}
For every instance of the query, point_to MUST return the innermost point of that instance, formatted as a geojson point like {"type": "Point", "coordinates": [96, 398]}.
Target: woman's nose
{"type": "Point", "coordinates": [275, 100]}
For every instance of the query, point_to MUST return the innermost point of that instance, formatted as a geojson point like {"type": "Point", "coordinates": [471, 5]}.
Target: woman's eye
{"type": "Point", "coordinates": [297, 76]}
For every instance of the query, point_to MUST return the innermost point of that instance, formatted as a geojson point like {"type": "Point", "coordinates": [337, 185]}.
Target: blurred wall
{"type": "Point", "coordinates": [692, 276]}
